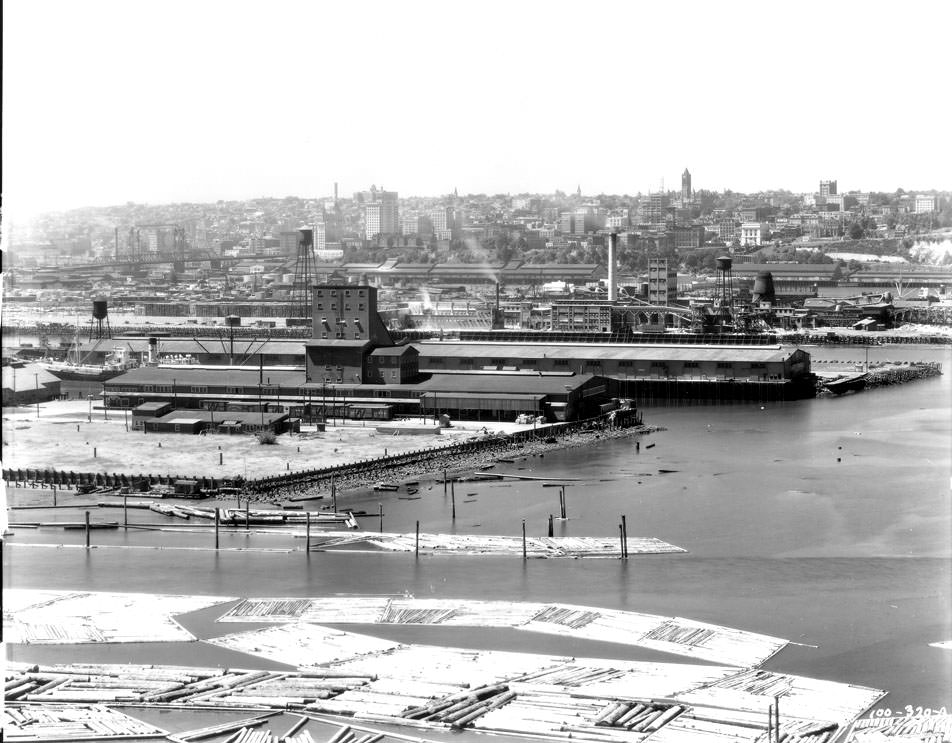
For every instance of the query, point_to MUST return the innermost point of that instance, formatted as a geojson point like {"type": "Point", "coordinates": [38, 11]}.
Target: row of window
{"type": "Point", "coordinates": [345, 292]}
{"type": "Point", "coordinates": [333, 306]}
{"type": "Point", "coordinates": [622, 364]}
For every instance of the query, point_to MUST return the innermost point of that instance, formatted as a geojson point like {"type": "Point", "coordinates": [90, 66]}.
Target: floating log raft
{"type": "Point", "coordinates": [52, 722]}
{"type": "Point", "coordinates": [935, 728]}
{"type": "Point", "coordinates": [473, 544]}
{"type": "Point", "coordinates": [670, 634]}
{"type": "Point", "coordinates": [304, 645]}
{"type": "Point", "coordinates": [44, 617]}
{"type": "Point", "coordinates": [751, 690]}
{"type": "Point", "coordinates": [440, 688]}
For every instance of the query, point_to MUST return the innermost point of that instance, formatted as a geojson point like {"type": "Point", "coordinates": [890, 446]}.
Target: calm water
{"type": "Point", "coordinates": [823, 521]}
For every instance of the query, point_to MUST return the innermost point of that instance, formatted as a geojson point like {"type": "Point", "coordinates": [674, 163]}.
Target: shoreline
{"type": "Point", "coordinates": [454, 465]}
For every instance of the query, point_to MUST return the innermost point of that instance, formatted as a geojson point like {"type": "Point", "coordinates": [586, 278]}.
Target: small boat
{"type": "Point", "coordinates": [386, 486]}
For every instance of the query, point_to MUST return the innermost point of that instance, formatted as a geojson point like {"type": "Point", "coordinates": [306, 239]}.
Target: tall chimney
{"type": "Point", "coordinates": [612, 238]}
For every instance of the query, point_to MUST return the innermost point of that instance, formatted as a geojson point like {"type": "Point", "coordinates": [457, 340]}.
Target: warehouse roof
{"type": "Point", "coordinates": [516, 384]}
{"type": "Point", "coordinates": [602, 351]}
{"type": "Point", "coordinates": [201, 345]}
{"type": "Point", "coordinates": [183, 375]}
{"type": "Point", "coordinates": [393, 350]}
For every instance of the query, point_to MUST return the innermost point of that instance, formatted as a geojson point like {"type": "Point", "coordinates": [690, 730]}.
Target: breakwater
{"type": "Point", "coordinates": [880, 339]}
{"type": "Point", "coordinates": [433, 461]}
{"type": "Point", "coordinates": [902, 374]}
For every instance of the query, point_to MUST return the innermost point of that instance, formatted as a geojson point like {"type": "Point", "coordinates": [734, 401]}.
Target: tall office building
{"type": "Point", "coordinates": [686, 192]}
{"type": "Point", "coordinates": [827, 188]}
{"type": "Point", "coordinates": [925, 204]}
{"type": "Point", "coordinates": [381, 213]}
{"type": "Point", "coordinates": [442, 218]}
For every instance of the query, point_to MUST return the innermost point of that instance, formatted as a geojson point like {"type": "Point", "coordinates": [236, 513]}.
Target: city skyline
{"type": "Point", "coordinates": [106, 103]}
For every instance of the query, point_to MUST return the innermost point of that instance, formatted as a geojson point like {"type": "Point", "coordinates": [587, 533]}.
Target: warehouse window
{"type": "Point", "coordinates": [625, 363]}
{"type": "Point", "coordinates": [724, 365]}
{"type": "Point", "coordinates": [691, 365]}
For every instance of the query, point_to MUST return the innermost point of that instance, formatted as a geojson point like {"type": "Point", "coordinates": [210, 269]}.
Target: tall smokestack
{"type": "Point", "coordinates": [612, 238]}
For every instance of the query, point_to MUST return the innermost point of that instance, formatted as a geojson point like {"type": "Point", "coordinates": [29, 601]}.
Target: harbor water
{"type": "Point", "coordinates": [826, 522]}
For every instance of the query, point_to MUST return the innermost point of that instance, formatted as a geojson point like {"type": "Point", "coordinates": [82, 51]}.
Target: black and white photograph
{"type": "Point", "coordinates": [456, 372]}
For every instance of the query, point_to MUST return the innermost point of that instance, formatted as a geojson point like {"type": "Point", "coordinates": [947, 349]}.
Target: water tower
{"type": "Point", "coordinates": [100, 316]}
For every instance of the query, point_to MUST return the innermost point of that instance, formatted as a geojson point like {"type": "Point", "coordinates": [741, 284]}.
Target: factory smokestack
{"type": "Point", "coordinates": [498, 320]}
{"type": "Point", "coordinates": [612, 238]}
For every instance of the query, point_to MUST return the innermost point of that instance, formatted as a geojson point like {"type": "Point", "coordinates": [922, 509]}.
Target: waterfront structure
{"type": "Point", "coordinates": [663, 370]}
{"type": "Point", "coordinates": [470, 394]}
{"type": "Point", "coordinates": [29, 384]}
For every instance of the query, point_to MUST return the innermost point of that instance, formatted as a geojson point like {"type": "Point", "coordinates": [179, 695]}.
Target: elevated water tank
{"type": "Point", "coordinates": [232, 321]}
{"type": "Point", "coordinates": [723, 263]}
{"type": "Point", "coordinates": [100, 308]}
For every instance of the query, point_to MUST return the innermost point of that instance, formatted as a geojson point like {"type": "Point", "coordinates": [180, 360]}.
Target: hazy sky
{"type": "Point", "coordinates": [198, 100]}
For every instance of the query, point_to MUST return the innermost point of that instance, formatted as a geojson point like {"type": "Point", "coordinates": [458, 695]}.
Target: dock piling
{"type": "Point", "coordinates": [624, 535]}
{"type": "Point", "coordinates": [453, 495]}
{"type": "Point", "coordinates": [248, 514]}
{"type": "Point", "coordinates": [523, 539]}
{"type": "Point", "coordinates": [125, 510]}
{"type": "Point", "coordinates": [307, 537]}
{"type": "Point", "coordinates": [621, 542]}
{"type": "Point", "coordinates": [217, 517]}
{"type": "Point", "coordinates": [776, 715]}
{"type": "Point", "coordinates": [417, 538]}
{"type": "Point", "coordinates": [551, 529]}
{"type": "Point", "coordinates": [87, 529]}
{"type": "Point", "coordinates": [380, 513]}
